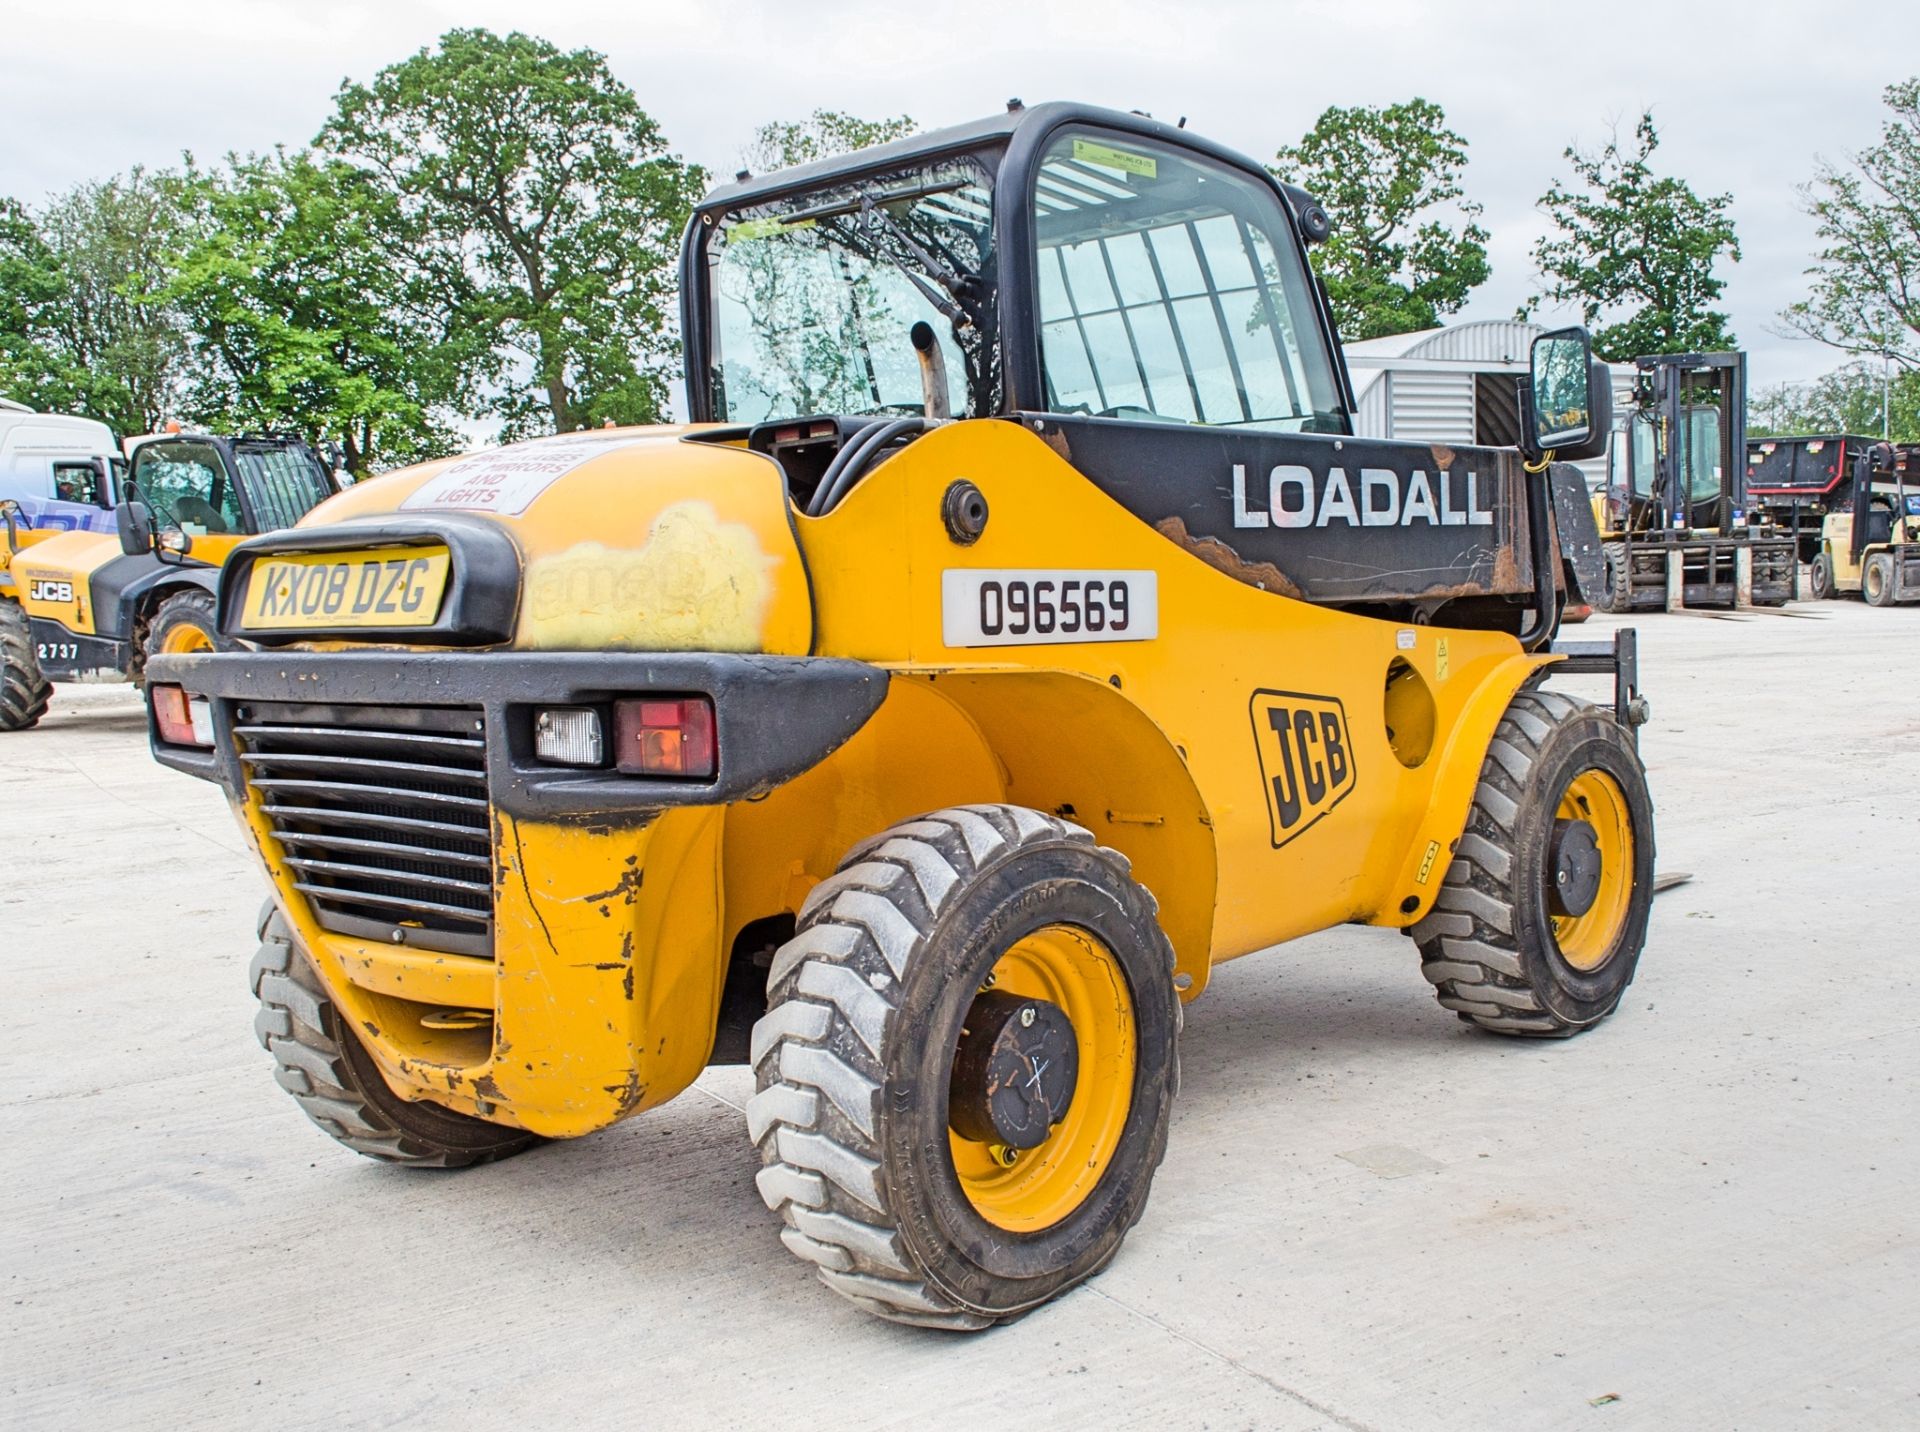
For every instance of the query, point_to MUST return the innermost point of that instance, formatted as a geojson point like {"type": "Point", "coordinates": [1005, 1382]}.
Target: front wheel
{"type": "Point", "coordinates": [967, 1065]}
{"type": "Point", "coordinates": [1538, 927]}
{"type": "Point", "coordinates": [24, 691]}
{"type": "Point", "coordinates": [183, 624]}
{"type": "Point", "coordinates": [320, 1061]}
{"type": "Point", "coordinates": [1616, 594]}
{"type": "Point", "coordinates": [1876, 580]}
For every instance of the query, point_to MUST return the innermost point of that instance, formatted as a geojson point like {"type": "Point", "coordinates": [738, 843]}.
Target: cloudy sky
{"type": "Point", "coordinates": [1746, 96]}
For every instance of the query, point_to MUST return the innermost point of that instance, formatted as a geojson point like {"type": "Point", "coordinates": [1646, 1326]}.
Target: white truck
{"type": "Point", "coordinates": [62, 472]}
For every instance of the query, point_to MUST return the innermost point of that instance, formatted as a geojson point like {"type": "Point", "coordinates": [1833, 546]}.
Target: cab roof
{"type": "Point", "coordinates": [957, 138]}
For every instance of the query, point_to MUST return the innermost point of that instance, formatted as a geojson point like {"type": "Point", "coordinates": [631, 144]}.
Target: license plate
{"type": "Point", "coordinates": [384, 587]}
{"type": "Point", "coordinates": [1028, 607]}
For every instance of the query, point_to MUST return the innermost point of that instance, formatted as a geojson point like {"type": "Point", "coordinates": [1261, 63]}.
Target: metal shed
{"type": "Point", "coordinates": [1453, 385]}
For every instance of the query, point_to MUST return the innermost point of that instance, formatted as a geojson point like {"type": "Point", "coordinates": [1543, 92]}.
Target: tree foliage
{"type": "Point", "coordinates": [1847, 400]}
{"type": "Point", "coordinates": [84, 322]}
{"type": "Point", "coordinates": [1638, 249]}
{"type": "Point", "coordinates": [1406, 248]}
{"type": "Point", "coordinates": [309, 316]}
{"type": "Point", "coordinates": [548, 212]}
{"type": "Point", "coordinates": [822, 134]}
{"type": "Point", "coordinates": [1865, 291]}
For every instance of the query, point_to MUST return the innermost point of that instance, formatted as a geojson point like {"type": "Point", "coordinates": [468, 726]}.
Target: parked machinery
{"type": "Point", "coordinates": [1677, 532]}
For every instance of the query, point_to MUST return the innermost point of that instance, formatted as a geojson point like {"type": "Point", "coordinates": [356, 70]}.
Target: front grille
{"type": "Point", "coordinates": [382, 813]}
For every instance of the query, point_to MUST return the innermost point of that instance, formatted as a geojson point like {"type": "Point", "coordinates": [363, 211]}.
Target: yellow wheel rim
{"type": "Point", "coordinates": [185, 639]}
{"type": "Point", "coordinates": [1586, 941]}
{"type": "Point", "coordinates": [1073, 969]}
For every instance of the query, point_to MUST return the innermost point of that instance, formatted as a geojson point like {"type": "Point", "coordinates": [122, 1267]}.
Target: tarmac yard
{"type": "Point", "coordinates": [1703, 1214]}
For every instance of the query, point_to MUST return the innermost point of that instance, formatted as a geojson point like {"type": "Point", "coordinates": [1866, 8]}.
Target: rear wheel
{"type": "Point", "coordinates": [1876, 580]}
{"type": "Point", "coordinates": [1820, 578]}
{"type": "Point", "coordinates": [332, 1078]}
{"type": "Point", "coordinates": [1538, 927]}
{"type": "Point", "coordinates": [966, 1068]}
{"type": "Point", "coordinates": [24, 692]}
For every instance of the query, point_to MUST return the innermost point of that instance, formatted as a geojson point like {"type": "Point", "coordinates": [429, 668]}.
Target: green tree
{"type": "Point", "coordinates": [1637, 248]}
{"type": "Point", "coordinates": [1865, 291]}
{"type": "Point", "coordinates": [84, 324]}
{"type": "Point", "coordinates": [549, 214]}
{"type": "Point", "coordinates": [1406, 247]}
{"type": "Point", "coordinates": [822, 134]}
{"type": "Point", "coordinates": [1858, 398]}
{"type": "Point", "coordinates": [309, 316]}
{"type": "Point", "coordinates": [31, 371]}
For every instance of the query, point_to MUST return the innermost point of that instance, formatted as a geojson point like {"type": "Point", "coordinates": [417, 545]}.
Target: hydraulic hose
{"type": "Point", "coordinates": [850, 464]}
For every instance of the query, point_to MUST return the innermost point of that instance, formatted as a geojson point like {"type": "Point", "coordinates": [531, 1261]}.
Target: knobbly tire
{"type": "Point", "coordinates": [182, 623]}
{"type": "Point", "coordinates": [1616, 593]}
{"type": "Point", "coordinates": [855, 1061]}
{"type": "Point", "coordinates": [1493, 946]}
{"type": "Point", "coordinates": [322, 1064]}
{"type": "Point", "coordinates": [24, 692]}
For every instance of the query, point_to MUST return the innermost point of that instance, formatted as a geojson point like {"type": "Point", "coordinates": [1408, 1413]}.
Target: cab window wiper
{"type": "Point", "coordinates": [872, 210]}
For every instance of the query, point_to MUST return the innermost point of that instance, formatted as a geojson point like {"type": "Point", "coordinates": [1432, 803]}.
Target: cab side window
{"type": "Point", "coordinates": [1171, 290]}
{"type": "Point", "coordinates": [186, 485]}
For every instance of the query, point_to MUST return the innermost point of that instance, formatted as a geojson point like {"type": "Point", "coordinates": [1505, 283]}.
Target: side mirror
{"type": "Point", "coordinates": [1568, 408]}
{"type": "Point", "coordinates": [134, 519]}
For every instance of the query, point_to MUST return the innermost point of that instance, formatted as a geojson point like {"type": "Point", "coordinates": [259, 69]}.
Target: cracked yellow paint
{"type": "Point", "coordinates": [699, 584]}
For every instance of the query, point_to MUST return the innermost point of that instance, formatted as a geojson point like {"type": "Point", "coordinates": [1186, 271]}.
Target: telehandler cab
{"type": "Point", "coordinates": [1017, 632]}
{"type": "Point", "coordinates": [88, 605]}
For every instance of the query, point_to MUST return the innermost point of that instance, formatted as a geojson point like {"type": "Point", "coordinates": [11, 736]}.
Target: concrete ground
{"type": "Point", "coordinates": [1702, 1215]}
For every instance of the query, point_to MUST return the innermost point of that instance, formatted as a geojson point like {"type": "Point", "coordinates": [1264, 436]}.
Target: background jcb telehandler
{"type": "Point", "coordinates": [1019, 631]}
{"type": "Point", "coordinates": [93, 606]}
{"type": "Point", "coordinates": [1676, 528]}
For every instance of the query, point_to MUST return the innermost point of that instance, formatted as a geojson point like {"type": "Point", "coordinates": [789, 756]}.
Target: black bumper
{"type": "Point", "coordinates": [73, 656]}
{"type": "Point", "coordinates": [775, 716]}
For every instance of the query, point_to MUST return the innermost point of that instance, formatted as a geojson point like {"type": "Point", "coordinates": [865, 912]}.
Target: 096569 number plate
{"type": "Point", "coordinates": [1029, 607]}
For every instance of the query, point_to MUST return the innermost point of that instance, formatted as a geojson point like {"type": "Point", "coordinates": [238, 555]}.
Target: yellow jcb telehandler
{"type": "Point", "coordinates": [87, 605]}
{"type": "Point", "coordinates": [1017, 632]}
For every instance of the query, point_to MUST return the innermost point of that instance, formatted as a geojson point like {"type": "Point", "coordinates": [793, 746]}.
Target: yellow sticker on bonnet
{"type": "Point", "coordinates": [380, 587]}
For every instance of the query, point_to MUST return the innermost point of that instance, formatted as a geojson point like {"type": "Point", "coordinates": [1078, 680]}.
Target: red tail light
{"type": "Point", "coordinates": [674, 737]}
{"type": "Point", "coordinates": [183, 720]}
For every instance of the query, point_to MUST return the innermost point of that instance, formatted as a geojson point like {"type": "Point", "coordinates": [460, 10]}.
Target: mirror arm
{"type": "Point", "coordinates": [1546, 610]}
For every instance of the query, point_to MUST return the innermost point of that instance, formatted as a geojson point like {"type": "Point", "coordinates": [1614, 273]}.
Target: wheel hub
{"type": "Point", "coordinates": [1573, 858]}
{"type": "Point", "coordinates": [1014, 1072]}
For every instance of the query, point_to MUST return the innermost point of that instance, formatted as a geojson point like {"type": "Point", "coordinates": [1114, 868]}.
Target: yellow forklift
{"type": "Point", "coordinates": [1676, 531]}
{"type": "Point", "coordinates": [1871, 547]}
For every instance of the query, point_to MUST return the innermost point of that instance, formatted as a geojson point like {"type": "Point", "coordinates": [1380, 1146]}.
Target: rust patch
{"type": "Point", "coordinates": [627, 1095]}
{"type": "Point", "coordinates": [488, 1090]}
{"type": "Point", "coordinates": [1057, 440]}
{"type": "Point", "coordinates": [1442, 456]}
{"type": "Point", "coordinates": [1222, 558]}
{"type": "Point", "coordinates": [628, 886]}
{"type": "Point", "coordinates": [1506, 570]}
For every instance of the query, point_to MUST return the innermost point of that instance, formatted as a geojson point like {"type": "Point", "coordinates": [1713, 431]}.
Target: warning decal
{"type": "Point", "coordinates": [506, 480]}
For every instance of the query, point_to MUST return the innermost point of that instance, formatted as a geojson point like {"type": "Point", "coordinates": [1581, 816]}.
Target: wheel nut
{"type": "Point", "coordinates": [1003, 1155]}
{"type": "Point", "coordinates": [1026, 1017]}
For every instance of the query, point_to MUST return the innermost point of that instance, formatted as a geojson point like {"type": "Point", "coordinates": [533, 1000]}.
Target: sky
{"type": "Point", "coordinates": [1747, 98]}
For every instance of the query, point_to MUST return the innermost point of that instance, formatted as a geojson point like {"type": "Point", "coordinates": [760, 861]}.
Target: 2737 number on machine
{"type": "Point", "coordinates": [1027, 607]}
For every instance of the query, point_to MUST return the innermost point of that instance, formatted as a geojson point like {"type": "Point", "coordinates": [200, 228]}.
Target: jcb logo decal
{"type": "Point", "coordinates": [1305, 756]}
{"type": "Point", "coordinates": [44, 591]}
